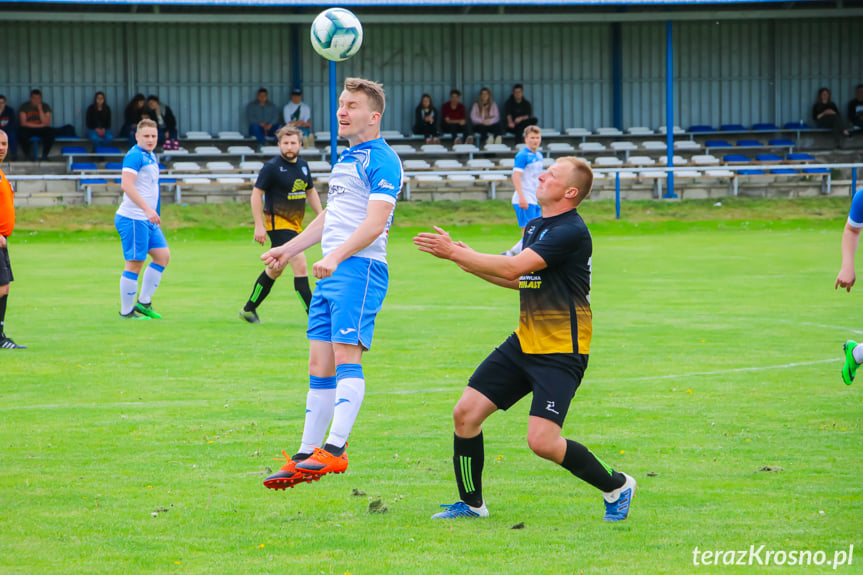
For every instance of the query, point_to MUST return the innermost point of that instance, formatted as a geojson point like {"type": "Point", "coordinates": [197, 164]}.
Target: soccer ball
{"type": "Point", "coordinates": [336, 34]}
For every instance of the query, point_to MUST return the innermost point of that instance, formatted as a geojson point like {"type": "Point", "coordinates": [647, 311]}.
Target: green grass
{"type": "Point", "coordinates": [716, 351]}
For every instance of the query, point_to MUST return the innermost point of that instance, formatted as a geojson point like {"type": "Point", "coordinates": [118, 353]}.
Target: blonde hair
{"type": "Point", "coordinates": [582, 175]}
{"type": "Point", "coordinates": [289, 131]}
{"type": "Point", "coordinates": [373, 91]}
{"type": "Point", "coordinates": [147, 123]}
{"type": "Point", "coordinates": [532, 130]}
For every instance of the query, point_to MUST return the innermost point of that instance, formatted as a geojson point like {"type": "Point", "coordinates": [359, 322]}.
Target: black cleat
{"type": "Point", "coordinates": [250, 316]}
{"type": "Point", "coordinates": [7, 343]}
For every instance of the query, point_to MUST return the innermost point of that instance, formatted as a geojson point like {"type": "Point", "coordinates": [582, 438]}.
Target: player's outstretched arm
{"type": "Point", "coordinates": [257, 203]}
{"type": "Point", "coordinates": [500, 270]}
{"type": "Point", "coordinates": [128, 185]}
{"type": "Point", "coordinates": [277, 258]}
{"type": "Point", "coordinates": [850, 241]}
{"type": "Point", "coordinates": [377, 215]}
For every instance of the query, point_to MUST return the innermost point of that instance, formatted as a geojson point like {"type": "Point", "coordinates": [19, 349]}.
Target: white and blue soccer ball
{"type": "Point", "coordinates": [337, 34]}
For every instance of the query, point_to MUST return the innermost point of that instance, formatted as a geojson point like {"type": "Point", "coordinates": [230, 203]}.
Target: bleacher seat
{"type": "Point", "coordinates": [83, 167]}
{"type": "Point", "coordinates": [428, 178]}
{"type": "Point", "coordinates": [493, 177]}
{"type": "Point", "coordinates": [549, 132]}
{"type": "Point", "coordinates": [322, 136]}
{"type": "Point", "coordinates": [208, 151]}
{"type": "Point", "coordinates": [319, 166]}
{"type": "Point", "coordinates": [108, 150]}
{"type": "Point", "coordinates": [678, 160]}
{"type": "Point", "coordinates": [92, 181]}
{"type": "Point", "coordinates": [608, 131]}
{"type": "Point", "coordinates": [796, 126]}
{"type": "Point", "coordinates": [654, 145]}
{"type": "Point", "coordinates": [270, 150]}
{"type": "Point", "coordinates": [231, 135]}
{"type": "Point", "coordinates": [735, 159]}
{"type": "Point", "coordinates": [198, 136]}
{"type": "Point", "coordinates": [416, 164]}
{"type": "Point", "coordinates": [626, 175]}
{"type": "Point", "coordinates": [69, 150]}
{"type": "Point", "coordinates": [497, 148]}
{"type": "Point", "coordinates": [687, 174]}
{"type": "Point", "coordinates": [607, 161]}
{"type": "Point", "coordinates": [506, 163]}
{"type": "Point", "coordinates": [559, 147]}
{"type": "Point", "coordinates": [181, 151]}
{"type": "Point", "coordinates": [240, 150]}
{"type": "Point", "coordinates": [768, 158]}
{"type": "Point", "coordinates": [230, 180]}
{"type": "Point", "coordinates": [641, 160]}
{"type": "Point", "coordinates": [701, 129]}
{"type": "Point", "coordinates": [783, 171]}
{"type": "Point", "coordinates": [639, 131]}
{"type": "Point", "coordinates": [433, 149]}
{"type": "Point", "coordinates": [252, 165]}
{"type": "Point", "coordinates": [705, 160]}
{"type": "Point", "coordinates": [115, 166]}
{"type": "Point", "coordinates": [686, 145]}
{"type": "Point", "coordinates": [480, 164]}
{"type": "Point", "coordinates": [732, 128]}
{"type": "Point", "coordinates": [186, 167]}
{"type": "Point", "coordinates": [754, 172]}
{"type": "Point", "coordinates": [717, 144]}
{"type": "Point", "coordinates": [651, 174]}
{"type": "Point", "coordinates": [800, 157]}
{"type": "Point", "coordinates": [220, 166]}
{"type": "Point", "coordinates": [460, 178]}
{"type": "Point", "coordinates": [577, 132]}
{"type": "Point", "coordinates": [749, 144]}
{"type": "Point", "coordinates": [465, 148]}
{"type": "Point", "coordinates": [816, 170]}
{"type": "Point", "coordinates": [780, 142]}
{"type": "Point", "coordinates": [720, 173]}
{"type": "Point", "coordinates": [403, 149]}
{"type": "Point", "coordinates": [674, 130]}
{"type": "Point", "coordinates": [765, 126]}
{"type": "Point", "coordinates": [591, 147]}
{"type": "Point", "coordinates": [448, 164]}
{"type": "Point", "coordinates": [622, 146]}
{"type": "Point", "coordinates": [197, 180]}
{"type": "Point", "coordinates": [392, 135]}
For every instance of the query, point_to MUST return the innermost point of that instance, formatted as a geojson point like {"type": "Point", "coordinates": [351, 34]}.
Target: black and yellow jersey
{"type": "Point", "coordinates": [555, 302]}
{"type": "Point", "coordinates": [284, 184]}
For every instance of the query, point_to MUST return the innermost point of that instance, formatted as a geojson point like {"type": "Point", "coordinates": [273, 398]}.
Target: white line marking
{"type": "Point", "coordinates": [718, 372]}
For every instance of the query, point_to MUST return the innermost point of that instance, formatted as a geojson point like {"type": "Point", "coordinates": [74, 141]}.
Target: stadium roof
{"type": "Point", "coordinates": [427, 3]}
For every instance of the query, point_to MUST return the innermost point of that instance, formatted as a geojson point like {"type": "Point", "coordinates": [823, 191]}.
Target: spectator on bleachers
{"type": "Point", "coordinates": [298, 115]}
{"type": "Point", "coordinates": [485, 117]}
{"type": "Point", "coordinates": [855, 108]}
{"type": "Point", "coordinates": [519, 112]}
{"type": "Point", "coordinates": [826, 115]}
{"type": "Point", "coordinates": [425, 120]}
{"type": "Point", "coordinates": [133, 114]}
{"type": "Point", "coordinates": [453, 118]}
{"type": "Point", "coordinates": [7, 124]}
{"type": "Point", "coordinates": [34, 121]}
{"type": "Point", "coordinates": [263, 117]}
{"type": "Point", "coordinates": [98, 121]}
{"type": "Point", "coordinates": [166, 122]}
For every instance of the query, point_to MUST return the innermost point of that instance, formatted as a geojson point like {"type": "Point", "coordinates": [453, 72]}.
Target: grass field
{"type": "Point", "coordinates": [140, 447]}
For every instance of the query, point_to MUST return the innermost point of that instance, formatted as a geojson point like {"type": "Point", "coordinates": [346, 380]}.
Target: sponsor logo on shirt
{"type": "Point", "coordinates": [386, 185]}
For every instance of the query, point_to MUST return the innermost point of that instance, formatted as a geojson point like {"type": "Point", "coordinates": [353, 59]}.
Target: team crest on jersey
{"type": "Point", "coordinates": [306, 170]}
{"type": "Point", "coordinates": [542, 235]}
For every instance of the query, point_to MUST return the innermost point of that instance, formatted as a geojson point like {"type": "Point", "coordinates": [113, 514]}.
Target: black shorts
{"type": "Point", "coordinates": [5, 268]}
{"type": "Point", "coordinates": [281, 237]}
{"type": "Point", "coordinates": [508, 374]}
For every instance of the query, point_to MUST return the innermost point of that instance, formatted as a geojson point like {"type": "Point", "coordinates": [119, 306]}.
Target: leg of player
{"type": "Point", "coordinates": [301, 279]}
{"type": "Point", "coordinates": [129, 289]}
{"type": "Point", "coordinates": [151, 280]}
{"type": "Point", "coordinates": [468, 455]}
{"type": "Point", "coordinates": [260, 291]}
{"type": "Point", "coordinates": [543, 437]}
{"type": "Point", "coordinates": [5, 341]}
{"type": "Point", "coordinates": [350, 390]}
{"type": "Point", "coordinates": [320, 402]}
{"type": "Point", "coordinates": [515, 249]}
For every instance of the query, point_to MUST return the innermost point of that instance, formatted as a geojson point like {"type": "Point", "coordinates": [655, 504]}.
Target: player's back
{"type": "Point", "coordinates": [370, 171]}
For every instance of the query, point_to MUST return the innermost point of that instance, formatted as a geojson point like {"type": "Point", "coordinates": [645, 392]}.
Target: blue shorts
{"type": "Point", "coordinates": [138, 237]}
{"type": "Point", "coordinates": [344, 305]}
{"type": "Point", "coordinates": [524, 216]}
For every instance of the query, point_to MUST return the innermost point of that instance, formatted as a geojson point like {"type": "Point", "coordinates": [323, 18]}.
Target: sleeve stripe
{"type": "Point", "coordinates": [515, 169]}
{"type": "Point", "coordinates": [854, 224]}
{"type": "Point", "coordinates": [130, 170]}
{"type": "Point", "coordinates": [382, 198]}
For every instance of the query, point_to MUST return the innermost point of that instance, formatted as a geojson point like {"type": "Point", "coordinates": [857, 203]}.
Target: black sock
{"type": "Point", "coordinates": [333, 450]}
{"type": "Point", "coordinates": [262, 288]}
{"type": "Point", "coordinates": [301, 285]}
{"type": "Point", "coordinates": [3, 313]}
{"type": "Point", "coordinates": [468, 458]}
{"type": "Point", "coordinates": [586, 466]}
{"type": "Point", "coordinates": [300, 457]}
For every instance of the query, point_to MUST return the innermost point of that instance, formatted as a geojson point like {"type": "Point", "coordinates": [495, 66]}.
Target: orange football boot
{"type": "Point", "coordinates": [288, 476]}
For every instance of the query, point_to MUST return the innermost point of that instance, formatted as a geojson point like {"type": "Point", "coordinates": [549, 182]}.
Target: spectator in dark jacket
{"type": "Point", "coordinates": [133, 114]}
{"type": "Point", "coordinates": [826, 115]}
{"type": "Point", "coordinates": [7, 124]}
{"type": "Point", "coordinates": [518, 112]}
{"type": "Point", "coordinates": [855, 107]}
{"type": "Point", "coordinates": [98, 121]}
{"type": "Point", "coordinates": [425, 120]}
{"type": "Point", "coordinates": [164, 118]}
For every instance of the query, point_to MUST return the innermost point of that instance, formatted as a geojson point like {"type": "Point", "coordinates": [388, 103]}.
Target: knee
{"type": "Point", "coordinates": [4, 290]}
{"type": "Point", "coordinates": [541, 445]}
{"type": "Point", "coordinates": [467, 421]}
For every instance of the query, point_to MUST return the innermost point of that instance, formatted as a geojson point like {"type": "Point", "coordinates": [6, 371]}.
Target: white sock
{"type": "Point", "coordinates": [152, 277]}
{"type": "Point", "coordinates": [320, 403]}
{"type": "Point", "coordinates": [516, 249]}
{"type": "Point", "coordinates": [128, 290]}
{"type": "Point", "coordinates": [349, 398]}
{"type": "Point", "coordinates": [858, 353]}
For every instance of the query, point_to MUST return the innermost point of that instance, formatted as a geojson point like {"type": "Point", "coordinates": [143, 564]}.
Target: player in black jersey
{"type": "Point", "coordinates": [279, 199]}
{"type": "Point", "coordinates": [547, 355]}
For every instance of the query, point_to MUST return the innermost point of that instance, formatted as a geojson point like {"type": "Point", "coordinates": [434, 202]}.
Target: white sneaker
{"type": "Point", "coordinates": [498, 140]}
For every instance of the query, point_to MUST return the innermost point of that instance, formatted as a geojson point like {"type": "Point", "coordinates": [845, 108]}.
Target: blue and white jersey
{"type": "Point", "coordinates": [855, 216]}
{"type": "Point", "coordinates": [366, 172]}
{"type": "Point", "coordinates": [146, 166]}
{"type": "Point", "coordinates": [530, 165]}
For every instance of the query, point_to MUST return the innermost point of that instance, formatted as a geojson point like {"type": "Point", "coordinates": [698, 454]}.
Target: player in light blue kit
{"type": "Point", "coordinates": [525, 179]}
{"type": "Point", "coordinates": [352, 282]}
{"type": "Point", "coordinates": [137, 222]}
{"type": "Point", "coordinates": [847, 277]}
